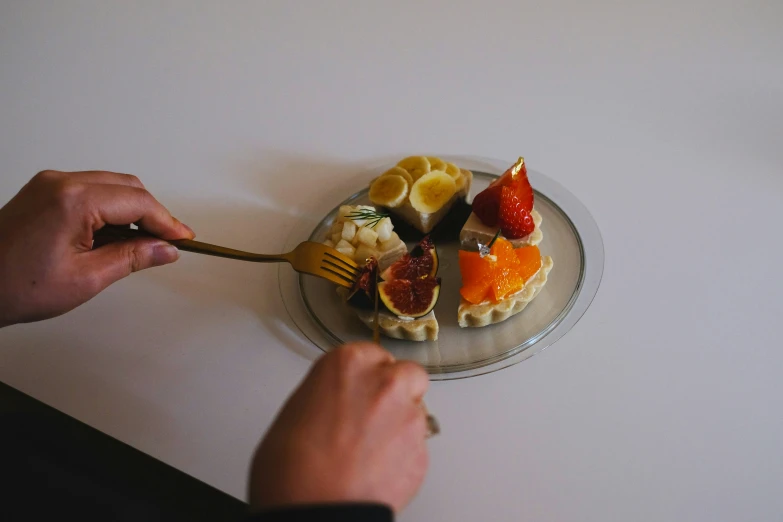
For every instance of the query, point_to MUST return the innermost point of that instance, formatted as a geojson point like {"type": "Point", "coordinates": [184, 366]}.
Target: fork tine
{"type": "Point", "coordinates": [342, 259]}
{"type": "Point", "coordinates": [352, 274]}
{"type": "Point", "coordinates": [334, 277]}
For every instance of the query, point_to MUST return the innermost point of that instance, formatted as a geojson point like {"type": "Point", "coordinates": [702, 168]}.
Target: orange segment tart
{"type": "Point", "coordinates": [500, 283]}
{"type": "Point", "coordinates": [421, 190]}
{"type": "Point", "coordinates": [505, 206]}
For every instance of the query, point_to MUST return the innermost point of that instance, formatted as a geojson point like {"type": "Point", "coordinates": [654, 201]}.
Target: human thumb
{"type": "Point", "coordinates": [114, 261]}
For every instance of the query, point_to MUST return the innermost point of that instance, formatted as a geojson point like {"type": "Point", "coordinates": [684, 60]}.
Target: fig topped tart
{"type": "Point", "coordinates": [408, 290]}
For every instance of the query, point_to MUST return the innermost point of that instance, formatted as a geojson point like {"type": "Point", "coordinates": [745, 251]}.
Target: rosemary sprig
{"type": "Point", "coordinates": [494, 239]}
{"type": "Point", "coordinates": [372, 217]}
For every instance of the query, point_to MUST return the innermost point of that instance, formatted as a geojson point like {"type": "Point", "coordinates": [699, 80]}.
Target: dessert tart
{"type": "Point", "coordinates": [506, 206]}
{"type": "Point", "coordinates": [361, 232]}
{"type": "Point", "coordinates": [499, 282]}
{"type": "Point", "coordinates": [421, 329]}
{"type": "Point", "coordinates": [408, 290]}
{"type": "Point", "coordinates": [421, 190]}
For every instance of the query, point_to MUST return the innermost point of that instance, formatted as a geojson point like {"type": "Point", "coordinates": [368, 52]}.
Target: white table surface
{"type": "Point", "coordinates": [665, 118]}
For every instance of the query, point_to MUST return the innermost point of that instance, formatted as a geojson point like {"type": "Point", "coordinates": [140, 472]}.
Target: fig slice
{"type": "Point", "coordinates": [410, 297]}
{"type": "Point", "coordinates": [362, 293]}
{"type": "Point", "coordinates": [422, 261]}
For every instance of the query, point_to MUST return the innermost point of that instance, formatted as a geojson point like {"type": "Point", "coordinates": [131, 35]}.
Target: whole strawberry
{"type": "Point", "coordinates": [514, 217]}
{"type": "Point", "coordinates": [521, 187]}
{"type": "Point", "coordinates": [486, 205]}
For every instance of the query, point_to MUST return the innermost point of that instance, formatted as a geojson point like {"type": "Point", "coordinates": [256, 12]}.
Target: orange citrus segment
{"type": "Point", "coordinates": [475, 294]}
{"type": "Point", "coordinates": [474, 268]}
{"type": "Point", "coordinates": [502, 273]}
{"type": "Point", "coordinates": [506, 282]}
{"type": "Point", "coordinates": [529, 261]}
{"type": "Point", "coordinates": [476, 276]}
{"type": "Point", "coordinates": [504, 251]}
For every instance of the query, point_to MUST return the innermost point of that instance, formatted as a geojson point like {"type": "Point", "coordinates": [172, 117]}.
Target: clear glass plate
{"type": "Point", "coordinates": [571, 237]}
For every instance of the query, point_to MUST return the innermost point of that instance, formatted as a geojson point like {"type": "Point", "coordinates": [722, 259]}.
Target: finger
{"type": "Point", "coordinates": [112, 262]}
{"type": "Point", "coordinates": [105, 178]}
{"type": "Point", "coordinates": [371, 354]}
{"type": "Point", "coordinates": [353, 357]}
{"type": "Point", "coordinates": [413, 378]}
{"type": "Point", "coordinates": [120, 205]}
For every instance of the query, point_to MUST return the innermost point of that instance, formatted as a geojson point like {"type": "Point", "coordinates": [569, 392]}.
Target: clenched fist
{"type": "Point", "coordinates": [354, 431]}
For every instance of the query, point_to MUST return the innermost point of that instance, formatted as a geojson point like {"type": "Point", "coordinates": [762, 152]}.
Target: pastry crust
{"type": "Point", "coordinates": [388, 257]}
{"type": "Point", "coordinates": [484, 314]}
{"type": "Point", "coordinates": [420, 329]}
{"type": "Point", "coordinates": [426, 222]}
{"type": "Point", "coordinates": [474, 232]}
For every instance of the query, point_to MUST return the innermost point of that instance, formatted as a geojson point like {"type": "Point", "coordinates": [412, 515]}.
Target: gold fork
{"type": "Point", "coordinates": [433, 426]}
{"type": "Point", "coordinates": [308, 257]}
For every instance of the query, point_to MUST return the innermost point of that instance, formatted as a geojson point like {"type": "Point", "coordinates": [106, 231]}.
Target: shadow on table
{"type": "Point", "coordinates": [283, 192]}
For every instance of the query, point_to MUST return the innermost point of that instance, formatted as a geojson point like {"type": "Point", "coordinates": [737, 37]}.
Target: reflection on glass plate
{"type": "Point", "coordinates": [571, 237]}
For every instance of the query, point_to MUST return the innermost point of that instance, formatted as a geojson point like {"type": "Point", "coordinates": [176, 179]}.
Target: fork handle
{"type": "Point", "coordinates": [112, 233]}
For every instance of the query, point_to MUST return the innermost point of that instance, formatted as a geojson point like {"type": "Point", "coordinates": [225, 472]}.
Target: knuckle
{"type": "Point", "coordinates": [134, 258]}
{"type": "Point", "coordinates": [148, 201]}
{"type": "Point", "coordinates": [46, 176]}
{"type": "Point", "coordinates": [134, 180]}
{"type": "Point", "coordinates": [348, 356]}
{"type": "Point", "coordinates": [393, 381]}
{"type": "Point", "coordinates": [67, 193]}
{"type": "Point", "coordinates": [413, 373]}
{"type": "Point", "coordinates": [412, 370]}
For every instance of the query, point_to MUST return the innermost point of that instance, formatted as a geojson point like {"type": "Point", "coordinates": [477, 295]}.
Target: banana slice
{"type": "Point", "coordinates": [453, 170]}
{"type": "Point", "coordinates": [399, 171]}
{"type": "Point", "coordinates": [432, 191]}
{"type": "Point", "coordinates": [417, 166]}
{"type": "Point", "coordinates": [436, 163]}
{"type": "Point", "coordinates": [389, 191]}
{"type": "Point", "coordinates": [460, 182]}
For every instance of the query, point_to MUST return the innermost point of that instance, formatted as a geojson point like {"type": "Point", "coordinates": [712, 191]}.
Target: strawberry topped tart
{"type": "Point", "coordinates": [505, 206]}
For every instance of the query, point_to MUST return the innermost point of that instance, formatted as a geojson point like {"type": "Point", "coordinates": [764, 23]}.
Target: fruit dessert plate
{"type": "Point", "coordinates": [498, 281]}
{"type": "Point", "coordinates": [485, 312]}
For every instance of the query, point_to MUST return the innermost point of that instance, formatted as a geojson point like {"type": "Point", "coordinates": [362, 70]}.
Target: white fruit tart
{"type": "Point", "coordinates": [361, 232]}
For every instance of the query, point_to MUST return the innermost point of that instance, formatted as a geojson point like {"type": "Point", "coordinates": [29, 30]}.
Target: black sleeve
{"type": "Point", "coordinates": [326, 513]}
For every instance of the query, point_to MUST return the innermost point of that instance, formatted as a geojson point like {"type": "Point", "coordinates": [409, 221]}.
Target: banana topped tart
{"type": "Point", "coordinates": [506, 206]}
{"type": "Point", "coordinates": [408, 291]}
{"type": "Point", "coordinates": [421, 190]}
